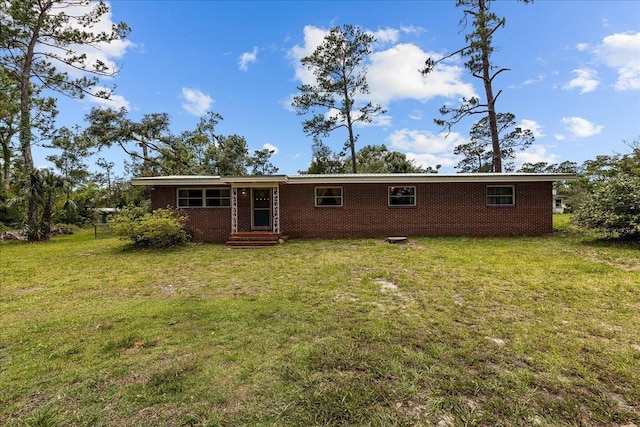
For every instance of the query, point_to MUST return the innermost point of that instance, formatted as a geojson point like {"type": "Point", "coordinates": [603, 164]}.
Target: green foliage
{"type": "Point", "coordinates": [261, 162]}
{"type": "Point", "coordinates": [74, 149]}
{"type": "Point", "coordinates": [28, 24]}
{"type": "Point", "coordinates": [161, 228]}
{"type": "Point", "coordinates": [159, 152]}
{"type": "Point", "coordinates": [324, 160]}
{"type": "Point", "coordinates": [478, 152]}
{"type": "Point", "coordinates": [229, 156]}
{"type": "Point", "coordinates": [370, 159]}
{"type": "Point", "coordinates": [613, 207]}
{"type": "Point", "coordinates": [43, 190]}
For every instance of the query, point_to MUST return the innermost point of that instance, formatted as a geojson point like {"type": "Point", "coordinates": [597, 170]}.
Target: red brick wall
{"type": "Point", "coordinates": [207, 224]}
{"type": "Point", "coordinates": [442, 209]}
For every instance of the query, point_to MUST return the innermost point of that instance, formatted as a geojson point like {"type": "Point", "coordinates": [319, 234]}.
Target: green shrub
{"type": "Point", "coordinates": [613, 207]}
{"type": "Point", "coordinates": [161, 228]}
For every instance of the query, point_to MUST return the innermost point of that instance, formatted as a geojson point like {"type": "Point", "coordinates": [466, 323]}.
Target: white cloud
{"type": "Point", "coordinates": [426, 160]}
{"type": "Point", "coordinates": [313, 37]}
{"type": "Point", "coordinates": [426, 148]}
{"type": "Point", "coordinates": [412, 29]}
{"type": "Point", "coordinates": [416, 115]}
{"type": "Point", "coordinates": [533, 126]}
{"type": "Point", "coordinates": [620, 52]}
{"type": "Point", "coordinates": [533, 154]}
{"type": "Point", "coordinates": [586, 80]}
{"type": "Point", "coordinates": [115, 101]}
{"type": "Point", "coordinates": [387, 35]}
{"type": "Point", "coordinates": [103, 52]}
{"type": "Point", "coordinates": [394, 74]}
{"type": "Point", "coordinates": [582, 46]}
{"type": "Point", "coordinates": [425, 141]}
{"type": "Point", "coordinates": [248, 58]}
{"type": "Point", "coordinates": [196, 102]}
{"type": "Point", "coordinates": [581, 128]}
{"type": "Point", "coordinates": [539, 78]}
{"type": "Point", "coordinates": [270, 147]}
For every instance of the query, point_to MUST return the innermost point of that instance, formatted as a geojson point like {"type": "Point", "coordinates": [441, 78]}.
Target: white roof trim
{"type": "Point", "coordinates": [398, 178]}
{"type": "Point", "coordinates": [428, 177]}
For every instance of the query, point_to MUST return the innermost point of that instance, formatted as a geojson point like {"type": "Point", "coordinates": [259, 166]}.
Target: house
{"type": "Point", "coordinates": [558, 203]}
{"type": "Point", "coordinates": [234, 208]}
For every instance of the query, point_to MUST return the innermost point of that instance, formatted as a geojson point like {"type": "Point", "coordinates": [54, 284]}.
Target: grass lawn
{"type": "Point", "coordinates": [438, 331]}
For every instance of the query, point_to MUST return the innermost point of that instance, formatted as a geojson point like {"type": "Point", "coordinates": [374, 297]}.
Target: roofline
{"type": "Point", "coordinates": [429, 177]}
{"type": "Point", "coordinates": [209, 180]}
{"type": "Point", "coordinates": [235, 181]}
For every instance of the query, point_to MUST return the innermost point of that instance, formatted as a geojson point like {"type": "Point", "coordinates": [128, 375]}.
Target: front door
{"type": "Point", "coordinates": [261, 209]}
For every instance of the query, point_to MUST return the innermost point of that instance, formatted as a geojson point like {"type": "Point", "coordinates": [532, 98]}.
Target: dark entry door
{"type": "Point", "coordinates": [261, 209]}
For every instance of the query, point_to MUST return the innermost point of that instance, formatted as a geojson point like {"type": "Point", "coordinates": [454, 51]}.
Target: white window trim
{"type": "Point", "coordinates": [415, 201]}
{"type": "Point", "coordinates": [513, 196]}
{"type": "Point", "coordinates": [203, 198]}
{"type": "Point", "coordinates": [315, 196]}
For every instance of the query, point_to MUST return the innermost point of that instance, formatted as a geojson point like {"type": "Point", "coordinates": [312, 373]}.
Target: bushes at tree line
{"type": "Point", "coordinates": [161, 228]}
{"type": "Point", "coordinates": [613, 207]}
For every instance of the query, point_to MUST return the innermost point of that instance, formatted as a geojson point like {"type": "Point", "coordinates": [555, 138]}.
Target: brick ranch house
{"type": "Point", "coordinates": [229, 208]}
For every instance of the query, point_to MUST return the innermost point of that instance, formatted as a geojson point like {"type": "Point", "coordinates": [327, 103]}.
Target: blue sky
{"type": "Point", "coordinates": [574, 76]}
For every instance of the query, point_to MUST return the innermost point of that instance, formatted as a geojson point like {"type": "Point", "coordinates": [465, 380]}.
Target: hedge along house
{"type": "Point", "coordinates": [260, 209]}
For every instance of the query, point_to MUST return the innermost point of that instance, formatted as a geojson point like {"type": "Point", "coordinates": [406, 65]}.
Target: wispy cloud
{"type": "Point", "coordinates": [248, 58]}
{"type": "Point", "coordinates": [196, 102]}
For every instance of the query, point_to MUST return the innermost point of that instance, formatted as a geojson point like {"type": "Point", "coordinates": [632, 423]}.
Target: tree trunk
{"type": "Point", "coordinates": [491, 107]}
{"type": "Point", "coordinates": [6, 167]}
{"type": "Point", "coordinates": [352, 140]}
{"type": "Point", "coordinates": [24, 126]}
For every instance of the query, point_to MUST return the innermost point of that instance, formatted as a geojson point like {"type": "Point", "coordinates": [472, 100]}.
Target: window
{"type": "Point", "coordinates": [218, 197]}
{"type": "Point", "coordinates": [328, 196]}
{"type": "Point", "coordinates": [402, 196]}
{"type": "Point", "coordinates": [501, 195]}
{"type": "Point", "coordinates": [200, 197]}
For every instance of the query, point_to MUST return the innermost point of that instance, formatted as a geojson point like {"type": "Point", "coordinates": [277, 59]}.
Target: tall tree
{"type": "Point", "coordinates": [40, 42]}
{"type": "Point", "coordinates": [478, 51]}
{"type": "Point", "coordinates": [338, 66]}
{"type": "Point", "coordinates": [261, 162]}
{"type": "Point", "coordinates": [478, 153]}
{"type": "Point", "coordinates": [43, 117]}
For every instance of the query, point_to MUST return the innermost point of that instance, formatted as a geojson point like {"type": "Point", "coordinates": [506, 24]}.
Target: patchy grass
{"type": "Point", "coordinates": [443, 331]}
